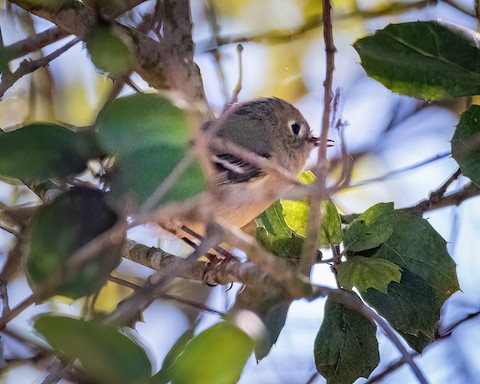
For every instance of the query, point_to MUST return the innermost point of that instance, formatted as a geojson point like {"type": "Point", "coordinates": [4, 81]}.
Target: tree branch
{"type": "Point", "coordinates": [248, 273]}
{"type": "Point", "coordinates": [53, 34]}
{"type": "Point", "coordinates": [432, 203]}
{"type": "Point", "coordinates": [26, 67]}
{"type": "Point", "coordinates": [155, 61]}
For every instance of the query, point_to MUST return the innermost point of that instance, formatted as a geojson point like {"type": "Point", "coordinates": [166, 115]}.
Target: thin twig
{"type": "Point", "coordinates": [124, 282]}
{"type": "Point", "coordinates": [27, 67]}
{"type": "Point", "coordinates": [212, 18]}
{"type": "Point", "coordinates": [455, 198]}
{"type": "Point", "coordinates": [9, 230]}
{"type": "Point", "coordinates": [449, 330]}
{"type": "Point", "coordinates": [4, 298]}
{"type": "Point", "coordinates": [310, 246]}
{"type": "Point", "coordinates": [438, 194]}
{"type": "Point", "coordinates": [238, 87]}
{"type": "Point", "coordinates": [391, 368]}
{"type": "Point", "coordinates": [314, 22]}
{"type": "Point", "coordinates": [401, 170]}
{"type": "Point", "coordinates": [53, 34]}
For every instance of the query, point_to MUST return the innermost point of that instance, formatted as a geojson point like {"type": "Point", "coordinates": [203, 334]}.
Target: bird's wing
{"type": "Point", "coordinates": [231, 169]}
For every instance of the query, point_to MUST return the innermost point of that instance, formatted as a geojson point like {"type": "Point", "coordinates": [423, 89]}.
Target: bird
{"type": "Point", "coordinates": [238, 189]}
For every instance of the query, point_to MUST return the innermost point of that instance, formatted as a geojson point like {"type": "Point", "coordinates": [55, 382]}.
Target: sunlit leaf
{"type": "Point", "coordinates": [108, 52]}
{"type": "Point", "coordinates": [430, 60]}
{"type": "Point", "coordinates": [59, 229]}
{"type": "Point", "coordinates": [371, 229]}
{"type": "Point", "coordinates": [215, 356]}
{"type": "Point", "coordinates": [346, 347]}
{"type": "Point", "coordinates": [296, 214]}
{"type": "Point", "coordinates": [38, 152]}
{"type": "Point", "coordinates": [466, 143]}
{"type": "Point", "coordinates": [107, 355]}
{"type": "Point", "coordinates": [368, 272]}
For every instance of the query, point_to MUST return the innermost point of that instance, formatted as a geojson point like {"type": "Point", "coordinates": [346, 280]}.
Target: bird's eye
{"type": "Point", "coordinates": [295, 128]}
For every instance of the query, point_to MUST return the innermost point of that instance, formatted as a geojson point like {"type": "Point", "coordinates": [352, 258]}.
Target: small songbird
{"type": "Point", "coordinates": [238, 190]}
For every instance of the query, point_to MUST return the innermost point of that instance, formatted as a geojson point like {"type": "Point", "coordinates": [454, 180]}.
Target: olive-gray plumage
{"type": "Point", "coordinates": [240, 191]}
{"type": "Point", "coordinates": [269, 127]}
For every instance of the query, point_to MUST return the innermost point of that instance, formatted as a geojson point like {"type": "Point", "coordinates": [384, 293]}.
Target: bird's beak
{"type": "Point", "coordinates": [316, 141]}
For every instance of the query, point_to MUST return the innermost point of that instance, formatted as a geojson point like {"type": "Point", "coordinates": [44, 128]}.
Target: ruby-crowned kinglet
{"type": "Point", "coordinates": [238, 190]}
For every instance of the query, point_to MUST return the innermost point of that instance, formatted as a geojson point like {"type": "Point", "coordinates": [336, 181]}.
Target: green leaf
{"type": "Point", "coordinates": [288, 248]}
{"type": "Point", "coordinates": [417, 342]}
{"type": "Point", "coordinates": [108, 52]}
{"type": "Point", "coordinates": [271, 305]}
{"type": "Point", "coordinates": [274, 319]}
{"type": "Point", "coordinates": [164, 375]}
{"type": "Point", "coordinates": [143, 120]}
{"type": "Point", "coordinates": [61, 228]}
{"type": "Point", "coordinates": [409, 306]}
{"type": "Point", "coordinates": [38, 152]}
{"type": "Point", "coordinates": [273, 221]}
{"type": "Point", "coordinates": [346, 347]}
{"type": "Point", "coordinates": [430, 60]}
{"type": "Point", "coordinates": [107, 355]}
{"type": "Point", "coordinates": [371, 229]}
{"type": "Point", "coordinates": [368, 272]}
{"type": "Point", "coordinates": [415, 246]}
{"type": "Point", "coordinates": [140, 173]}
{"type": "Point", "coordinates": [465, 143]}
{"type": "Point", "coordinates": [296, 216]}
{"type": "Point", "coordinates": [306, 177]}
{"type": "Point", "coordinates": [148, 135]}
{"type": "Point", "coordinates": [215, 356]}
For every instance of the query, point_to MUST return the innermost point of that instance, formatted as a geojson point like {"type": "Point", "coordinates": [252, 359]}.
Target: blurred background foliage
{"type": "Point", "coordinates": [283, 56]}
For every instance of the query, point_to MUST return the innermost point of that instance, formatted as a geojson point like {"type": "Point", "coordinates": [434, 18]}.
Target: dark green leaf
{"type": "Point", "coordinates": [415, 246]}
{"type": "Point", "coordinates": [164, 375]}
{"type": "Point", "coordinates": [417, 342]}
{"type": "Point", "coordinates": [371, 229]}
{"type": "Point", "coordinates": [409, 306]}
{"type": "Point", "coordinates": [346, 347]}
{"type": "Point", "coordinates": [140, 121]}
{"type": "Point", "coordinates": [430, 60]}
{"type": "Point", "coordinates": [271, 306]}
{"type": "Point", "coordinates": [465, 143]}
{"type": "Point", "coordinates": [107, 355]}
{"type": "Point", "coordinates": [149, 137]}
{"type": "Point", "coordinates": [140, 173]}
{"type": "Point", "coordinates": [368, 272]}
{"type": "Point", "coordinates": [59, 229]}
{"type": "Point", "coordinates": [38, 152]}
{"type": "Point", "coordinates": [215, 356]}
{"type": "Point", "coordinates": [274, 319]}
{"type": "Point", "coordinates": [108, 52]}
